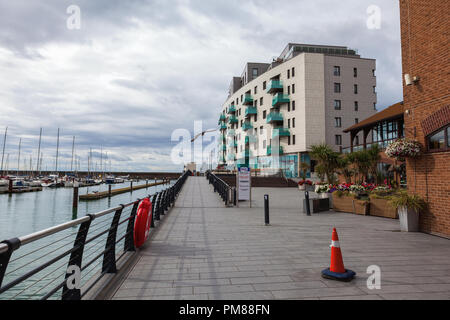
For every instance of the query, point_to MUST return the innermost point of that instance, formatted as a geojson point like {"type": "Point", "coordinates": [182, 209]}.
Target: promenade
{"type": "Point", "coordinates": [203, 250]}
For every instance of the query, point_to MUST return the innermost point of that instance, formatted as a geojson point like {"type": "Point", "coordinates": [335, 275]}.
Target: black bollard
{"type": "Point", "coordinates": [266, 209]}
{"type": "Point", "coordinates": [308, 209]}
{"type": "Point", "coordinates": [131, 185]}
{"type": "Point", "coordinates": [75, 198]}
{"type": "Point", "coordinates": [109, 190]}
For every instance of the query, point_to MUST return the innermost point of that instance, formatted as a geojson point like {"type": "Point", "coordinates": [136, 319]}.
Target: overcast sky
{"type": "Point", "coordinates": [136, 70]}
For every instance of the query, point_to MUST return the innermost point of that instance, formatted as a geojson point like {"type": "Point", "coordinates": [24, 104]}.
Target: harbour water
{"type": "Point", "coordinates": [25, 213]}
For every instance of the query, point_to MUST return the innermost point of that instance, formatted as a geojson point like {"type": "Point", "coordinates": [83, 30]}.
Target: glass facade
{"type": "Point", "coordinates": [387, 130]}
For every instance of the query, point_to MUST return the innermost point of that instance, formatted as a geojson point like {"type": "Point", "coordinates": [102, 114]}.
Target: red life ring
{"type": "Point", "coordinates": [142, 223]}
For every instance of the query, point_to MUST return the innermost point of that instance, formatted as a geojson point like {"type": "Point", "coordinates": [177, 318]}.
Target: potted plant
{"type": "Point", "coordinates": [302, 184]}
{"type": "Point", "coordinates": [322, 190]}
{"type": "Point", "coordinates": [409, 207]}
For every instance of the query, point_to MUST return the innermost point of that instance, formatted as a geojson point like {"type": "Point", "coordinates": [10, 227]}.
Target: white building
{"type": "Point", "coordinates": [306, 96]}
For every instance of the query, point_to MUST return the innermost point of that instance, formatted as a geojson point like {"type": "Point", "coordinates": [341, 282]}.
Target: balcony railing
{"type": "Point", "coordinates": [381, 144]}
{"type": "Point", "coordinates": [250, 111]}
{"type": "Point", "coordinates": [250, 139]}
{"type": "Point", "coordinates": [248, 100]}
{"type": "Point", "coordinates": [246, 126]}
{"type": "Point", "coordinates": [269, 150]}
{"type": "Point", "coordinates": [232, 119]}
{"type": "Point", "coordinates": [222, 117]}
{"type": "Point", "coordinates": [231, 109]}
{"type": "Point", "coordinates": [279, 99]}
{"type": "Point", "coordinates": [280, 132]}
{"type": "Point", "coordinates": [274, 117]}
{"type": "Point", "coordinates": [223, 126]}
{"type": "Point", "coordinates": [275, 86]}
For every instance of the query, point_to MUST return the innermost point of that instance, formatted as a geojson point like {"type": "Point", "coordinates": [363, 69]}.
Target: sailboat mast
{"type": "Point", "coordinates": [4, 145]}
{"type": "Point", "coordinates": [73, 149]}
{"type": "Point", "coordinates": [57, 153]}
{"type": "Point", "coordinates": [39, 151]}
{"type": "Point", "coordinates": [101, 158]}
{"type": "Point", "coordinates": [18, 158]}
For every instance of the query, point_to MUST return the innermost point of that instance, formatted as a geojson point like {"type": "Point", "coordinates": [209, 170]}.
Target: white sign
{"type": "Point", "coordinates": [244, 183]}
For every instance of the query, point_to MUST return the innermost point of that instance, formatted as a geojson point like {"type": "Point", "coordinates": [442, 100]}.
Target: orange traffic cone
{"type": "Point", "coordinates": [336, 271]}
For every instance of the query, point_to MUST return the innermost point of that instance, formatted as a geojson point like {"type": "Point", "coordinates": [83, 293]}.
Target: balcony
{"type": "Point", "coordinates": [274, 117]}
{"type": "Point", "coordinates": [250, 111]}
{"type": "Point", "coordinates": [231, 109]}
{"type": "Point", "coordinates": [250, 139]}
{"type": "Point", "coordinates": [222, 137]}
{"type": "Point", "coordinates": [248, 100]}
{"type": "Point", "coordinates": [223, 126]}
{"type": "Point", "coordinates": [231, 133]}
{"type": "Point", "coordinates": [280, 132]}
{"type": "Point", "coordinates": [275, 86]}
{"type": "Point", "coordinates": [222, 159]}
{"type": "Point", "coordinates": [232, 144]}
{"type": "Point", "coordinates": [232, 119]}
{"type": "Point", "coordinates": [280, 99]}
{"type": "Point", "coordinates": [222, 117]}
{"type": "Point", "coordinates": [269, 150]}
{"type": "Point", "coordinates": [246, 126]}
{"type": "Point", "coordinates": [223, 147]}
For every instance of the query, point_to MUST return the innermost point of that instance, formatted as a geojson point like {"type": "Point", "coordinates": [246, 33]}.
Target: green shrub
{"type": "Point", "coordinates": [403, 199]}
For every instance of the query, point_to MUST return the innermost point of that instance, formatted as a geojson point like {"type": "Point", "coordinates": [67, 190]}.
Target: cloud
{"type": "Point", "coordinates": [137, 70]}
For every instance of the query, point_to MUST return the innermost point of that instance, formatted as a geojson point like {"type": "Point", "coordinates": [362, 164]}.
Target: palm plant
{"type": "Point", "coordinates": [327, 161]}
{"type": "Point", "coordinates": [345, 169]}
{"type": "Point", "coordinates": [374, 157]}
{"type": "Point", "coordinates": [304, 167]}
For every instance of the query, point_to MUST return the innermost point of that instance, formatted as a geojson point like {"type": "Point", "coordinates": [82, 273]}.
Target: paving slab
{"type": "Point", "coordinates": [204, 250]}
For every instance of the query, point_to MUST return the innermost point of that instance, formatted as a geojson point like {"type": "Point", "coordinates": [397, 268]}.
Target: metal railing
{"type": "Point", "coordinates": [221, 187]}
{"type": "Point", "coordinates": [67, 261]}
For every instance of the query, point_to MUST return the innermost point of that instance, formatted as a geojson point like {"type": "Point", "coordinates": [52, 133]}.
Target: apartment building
{"type": "Point", "coordinates": [308, 95]}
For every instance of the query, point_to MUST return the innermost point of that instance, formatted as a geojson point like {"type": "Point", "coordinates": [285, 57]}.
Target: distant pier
{"type": "Point", "coordinates": [106, 194]}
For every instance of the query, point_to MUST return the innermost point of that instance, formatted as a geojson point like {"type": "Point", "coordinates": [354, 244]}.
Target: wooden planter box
{"type": "Point", "coordinates": [381, 208]}
{"type": "Point", "coordinates": [350, 204]}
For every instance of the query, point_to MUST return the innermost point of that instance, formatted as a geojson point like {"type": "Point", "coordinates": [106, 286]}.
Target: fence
{"type": "Point", "coordinates": [50, 264]}
{"type": "Point", "coordinates": [222, 188]}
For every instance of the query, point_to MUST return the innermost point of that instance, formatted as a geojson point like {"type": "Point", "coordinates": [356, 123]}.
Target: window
{"type": "Point", "coordinates": [261, 101]}
{"type": "Point", "coordinates": [239, 111]}
{"type": "Point", "coordinates": [293, 139]}
{"type": "Point", "coordinates": [264, 144]}
{"type": "Point", "coordinates": [255, 72]}
{"type": "Point", "coordinates": [355, 72]}
{"type": "Point", "coordinates": [293, 122]}
{"type": "Point", "coordinates": [237, 101]}
{"type": "Point", "coordinates": [337, 104]}
{"type": "Point", "coordinates": [338, 139]}
{"type": "Point", "coordinates": [261, 130]}
{"type": "Point", "coordinates": [255, 103]}
{"type": "Point", "coordinates": [337, 122]}
{"type": "Point", "coordinates": [355, 89]}
{"type": "Point", "coordinates": [337, 71]}
{"type": "Point", "coordinates": [356, 120]}
{"type": "Point", "coordinates": [242, 97]}
{"type": "Point", "coordinates": [256, 90]}
{"type": "Point", "coordinates": [373, 72]}
{"type": "Point", "coordinates": [374, 89]}
{"type": "Point", "coordinates": [289, 89]}
{"type": "Point", "coordinates": [357, 140]}
{"type": "Point", "coordinates": [293, 105]}
{"type": "Point", "coordinates": [264, 85]}
{"type": "Point", "coordinates": [337, 87]}
{"type": "Point", "coordinates": [288, 74]}
{"type": "Point", "coordinates": [289, 106]}
{"type": "Point", "coordinates": [440, 140]}
{"type": "Point", "coordinates": [241, 123]}
{"type": "Point", "coordinates": [356, 106]}
{"type": "Point", "coordinates": [293, 88]}
{"type": "Point", "coordinates": [293, 72]}
{"type": "Point", "coordinates": [374, 106]}
{"type": "Point", "coordinates": [289, 123]}
{"type": "Point", "coordinates": [289, 140]}
{"type": "Point", "coordinates": [264, 114]}
{"type": "Point", "coordinates": [256, 117]}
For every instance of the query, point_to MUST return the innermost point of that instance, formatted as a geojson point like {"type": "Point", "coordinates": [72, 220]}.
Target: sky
{"type": "Point", "coordinates": [136, 70]}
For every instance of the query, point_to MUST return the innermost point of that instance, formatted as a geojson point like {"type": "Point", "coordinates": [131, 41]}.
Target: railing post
{"type": "Point", "coordinates": [13, 244]}
{"type": "Point", "coordinates": [109, 257]}
{"type": "Point", "coordinates": [74, 265]}
{"type": "Point", "coordinates": [157, 203]}
{"type": "Point", "coordinates": [152, 223]}
{"type": "Point", "coordinates": [129, 239]}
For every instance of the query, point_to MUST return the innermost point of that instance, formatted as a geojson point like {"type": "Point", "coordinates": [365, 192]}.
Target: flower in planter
{"type": "Point", "coordinates": [403, 148]}
{"type": "Point", "coordinates": [322, 188]}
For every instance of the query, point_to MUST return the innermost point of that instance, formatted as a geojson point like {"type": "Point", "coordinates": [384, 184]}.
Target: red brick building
{"type": "Point", "coordinates": [425, 34]}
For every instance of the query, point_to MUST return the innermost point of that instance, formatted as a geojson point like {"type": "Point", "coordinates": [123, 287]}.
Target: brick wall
{"type": "Point", "coordinates": [425, 34]}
